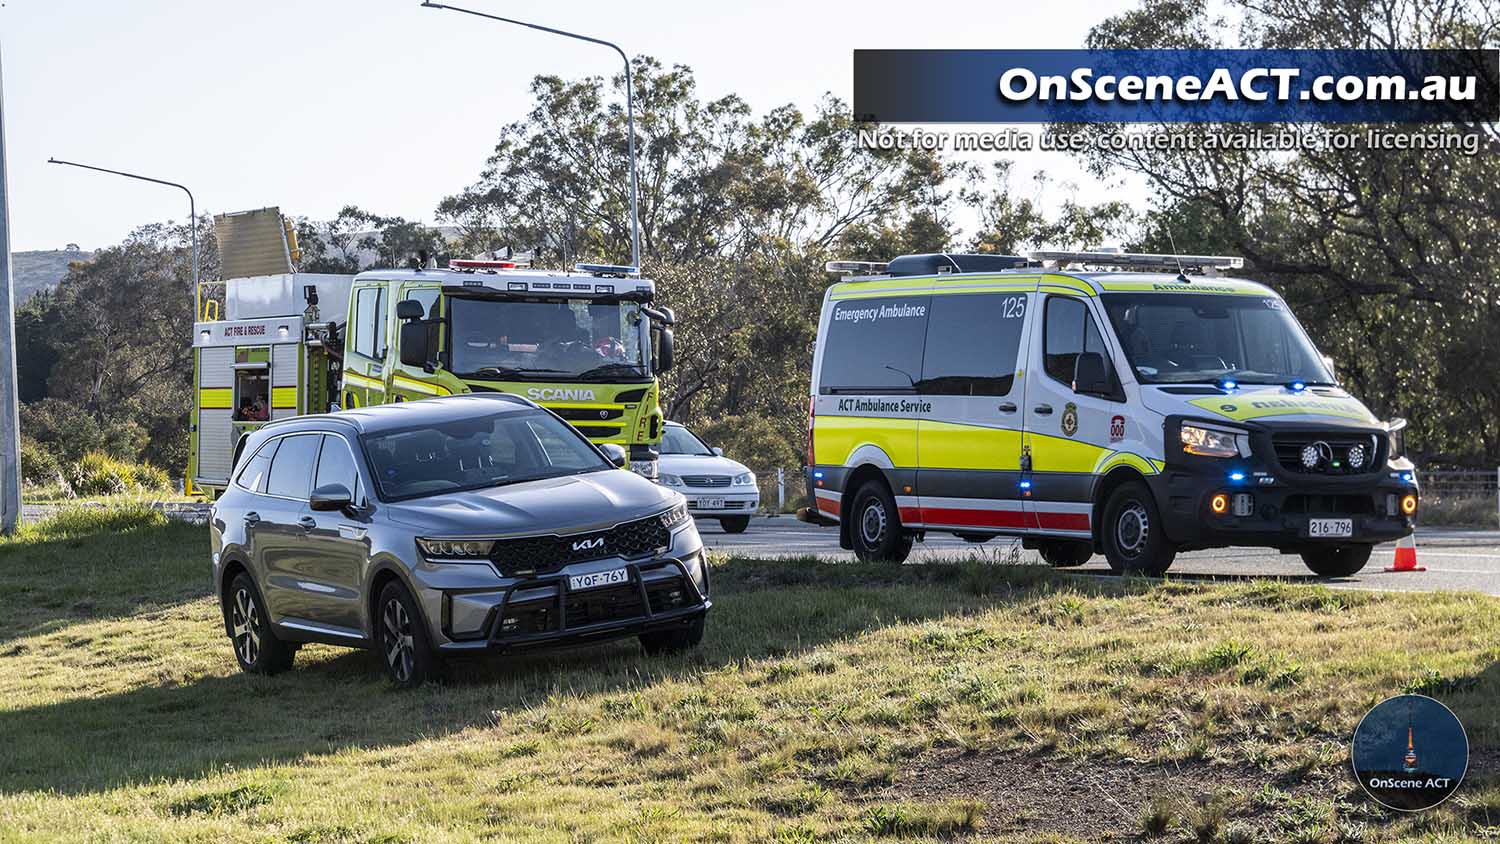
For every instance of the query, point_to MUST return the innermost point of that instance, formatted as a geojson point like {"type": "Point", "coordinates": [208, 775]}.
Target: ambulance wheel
{"type": "Point", "coordinates": [876, 528]}
{"type": "Point", "coordinates": [1132, 536]}
{"type": "Point", "coordinates": [1337, 560]}
{"type": "Point", "coordinates": [1064, 555]}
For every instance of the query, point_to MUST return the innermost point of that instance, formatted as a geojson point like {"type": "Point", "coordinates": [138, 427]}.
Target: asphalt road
{"type": "Point", "coordinates": [1455, 559]}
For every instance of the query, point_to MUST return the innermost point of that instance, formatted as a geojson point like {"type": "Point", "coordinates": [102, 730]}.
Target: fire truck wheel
{"type": "Point", "coordinates": [876, 529]}
{"type": "Point", "coordinates": [1337, 560]}
{"type": "Point", "coordinates": [1064, 555]}
{"type": "Point", "coordinates": [1132, 535]}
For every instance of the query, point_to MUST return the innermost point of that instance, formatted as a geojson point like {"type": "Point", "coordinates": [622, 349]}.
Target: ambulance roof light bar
{"type": "Point", "coordinates": [855, 267]}
{"type": "Point", "coordinates": [1139, 261]}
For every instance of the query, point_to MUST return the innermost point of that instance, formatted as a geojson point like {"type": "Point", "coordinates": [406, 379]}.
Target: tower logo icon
{"type": "Point", "coordinates": [1410, 753]}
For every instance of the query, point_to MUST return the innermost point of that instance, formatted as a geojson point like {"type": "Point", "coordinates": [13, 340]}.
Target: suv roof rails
{"type": "Point", "coordinates": [1138, 261]}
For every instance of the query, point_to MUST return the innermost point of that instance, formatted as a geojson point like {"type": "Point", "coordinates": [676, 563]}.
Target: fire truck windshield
{"type": "Point", "coordinates": [545, 340]}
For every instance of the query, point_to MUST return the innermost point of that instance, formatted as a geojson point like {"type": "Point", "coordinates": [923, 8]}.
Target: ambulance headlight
{"type": "Point", "coordinates": [1208, 442]}
{"type": "Point", "coordinates": [1396, 435]}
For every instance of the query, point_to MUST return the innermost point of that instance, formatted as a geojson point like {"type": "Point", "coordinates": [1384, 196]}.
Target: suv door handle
{"type": "Point", "coordinates": [252, 518]}
{"type": "Point", "coordinates": [1007, 407]}
{"type": "Point", "coordinates": [308, 523]}
{"type": "Point", "coordinates": [1043, 409]}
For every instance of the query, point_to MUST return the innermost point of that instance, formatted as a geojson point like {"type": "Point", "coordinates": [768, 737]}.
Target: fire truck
{"type": "Point", "coordinates": [587, 344]}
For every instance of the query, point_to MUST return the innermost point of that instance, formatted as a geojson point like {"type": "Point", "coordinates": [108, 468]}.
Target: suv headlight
{"type": "Point", "coordinates": [1207, 442]}
{"type": "Point", "coordinates": [746, 479]}
{"type": "Point", "coordinates": [456, 549]}
{"type": "Point", "coordinates": [669, 480]}
{"type": "Point", "coordinates": [675, 516]}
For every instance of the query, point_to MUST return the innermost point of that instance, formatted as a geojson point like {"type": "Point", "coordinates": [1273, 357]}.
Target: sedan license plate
{"type": "Point", "coordinates": [1330, 528]}
{"type": "Point", "coordinates": [597, 579]}
{"type": "Point", "coordinates": [710, 504]}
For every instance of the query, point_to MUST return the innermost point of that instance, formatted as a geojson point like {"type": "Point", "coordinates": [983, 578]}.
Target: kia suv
{"type": "Point", "coordinates": [479, 523]}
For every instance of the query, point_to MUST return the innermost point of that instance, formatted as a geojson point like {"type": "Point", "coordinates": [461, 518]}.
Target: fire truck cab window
{"type": "Point", "coordinates": [252, 395]}
{"type": "Point", "coordinates": [369, 322]}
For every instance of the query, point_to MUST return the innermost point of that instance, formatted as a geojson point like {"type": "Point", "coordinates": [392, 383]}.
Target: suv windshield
{"type": "Point", "coordinates": [548, 340]}
{"type": "Point", "coordinates": [1175, 338]}
{"type": "Point", "coordinates": [676, 440]}
{"type": "Point", "coordinates": [469, 454]}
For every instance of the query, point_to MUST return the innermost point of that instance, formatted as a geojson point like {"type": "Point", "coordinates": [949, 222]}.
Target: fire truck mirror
{"type": "Point", "coordinates": [409, 309]}
{"type": "Point", "coordinates": [664, 350]}
{"type": "Point", "coordinates": [415, 339]}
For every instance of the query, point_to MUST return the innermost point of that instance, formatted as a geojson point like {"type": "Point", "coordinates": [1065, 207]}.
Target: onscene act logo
{"type": "Point", "coordinates": [1410, 753]}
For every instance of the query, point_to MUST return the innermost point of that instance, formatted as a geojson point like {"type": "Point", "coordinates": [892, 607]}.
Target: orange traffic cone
{"type": "Point", "coordinates": [1406, 555]}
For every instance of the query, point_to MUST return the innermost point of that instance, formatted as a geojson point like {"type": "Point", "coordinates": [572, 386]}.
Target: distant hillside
{"type": "Point", "coordinates": [42, 270]}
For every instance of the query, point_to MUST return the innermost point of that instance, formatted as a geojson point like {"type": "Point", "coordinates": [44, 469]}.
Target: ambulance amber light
{"type": "Point", "coordinates": [1205, 442]}
{"type": "Point", "coordinates": [1219, 503]}
{"type": "Point", "coordinates": [1408, 504]}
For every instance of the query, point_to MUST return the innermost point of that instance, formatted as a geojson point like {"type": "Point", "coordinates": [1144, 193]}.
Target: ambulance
{"type": "Point", "coordinates": [1123, 404]}
{"type": "Point", "coordinates": [588, 345]}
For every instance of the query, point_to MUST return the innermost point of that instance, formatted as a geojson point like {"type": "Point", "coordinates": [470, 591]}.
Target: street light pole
{"type": "Point", "coordinates": [192, 215]}
{"type": "Point", "coordinates": [635, 227]}
{"type": "Point", "coordinates": [10, 422]}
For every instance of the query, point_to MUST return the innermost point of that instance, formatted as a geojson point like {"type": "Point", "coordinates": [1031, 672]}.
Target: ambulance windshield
{"type": "Point", "coordinates": [1177, 338]}
{"type": "Point", "coordinates": [545, 340]}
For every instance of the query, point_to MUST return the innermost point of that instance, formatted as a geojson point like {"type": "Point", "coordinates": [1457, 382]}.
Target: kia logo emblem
{"type": "Point", "coordinates": [589, 544]}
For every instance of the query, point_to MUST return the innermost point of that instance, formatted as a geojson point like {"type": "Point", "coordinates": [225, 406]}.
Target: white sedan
{"type": "Point", "coordinates": [715, 486]}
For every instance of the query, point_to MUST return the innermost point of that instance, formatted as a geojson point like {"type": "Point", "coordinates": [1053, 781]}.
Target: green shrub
{"type": "Point", "coordinates": [39, 464]}
{"type": "Point", "coordinates": [100, 474]}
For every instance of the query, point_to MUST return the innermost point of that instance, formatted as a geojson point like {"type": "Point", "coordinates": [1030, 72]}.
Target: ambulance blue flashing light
{"type": "Point", "coordinates": [1236, 476]}
{"type": "Point", "coordinates": [1229, 385]}
{"type": "Point", "coordinates": [1407, 476]}
{"type": "Point", "coordinates": [621, 270]}
{"type": "Point", "coordinates": [1025, 484]}
{"type": "Point", "coordinates": [1297, 386]}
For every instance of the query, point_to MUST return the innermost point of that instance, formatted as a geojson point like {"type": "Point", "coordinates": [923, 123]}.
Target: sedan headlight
{"type": "Point", "coordinates": [746, 479]}
{"type": "Point", "coordinates": [456, 549]}
{"type": "Point", "coordinates": [669, 480]}
{"type": "Point", "coordinates": [1207, 442]}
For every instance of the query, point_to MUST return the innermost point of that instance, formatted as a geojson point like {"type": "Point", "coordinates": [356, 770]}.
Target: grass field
{"type": "Point", "coordinates": [829, 702]}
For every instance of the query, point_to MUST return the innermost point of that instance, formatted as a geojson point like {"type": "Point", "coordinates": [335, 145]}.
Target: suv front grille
{"type": "Point", "coordinates": [706, 480]}
{"type": "Point", "coordinates": [1333, 451]}
{"type": "Point", "coordinates": [544, 554]}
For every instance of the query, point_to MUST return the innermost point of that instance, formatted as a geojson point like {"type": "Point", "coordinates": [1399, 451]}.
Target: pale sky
{"type": "Point", "coordinates": [314, 104]}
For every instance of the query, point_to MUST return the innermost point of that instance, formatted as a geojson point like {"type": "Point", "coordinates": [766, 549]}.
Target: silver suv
{"type": "Point", "coordinates": [474, 523]}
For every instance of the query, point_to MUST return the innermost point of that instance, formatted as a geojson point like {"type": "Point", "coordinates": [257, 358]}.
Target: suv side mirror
{"type": "Point", "coordinates": [330, 497]}
{"type": "Point", "coordinates": [616, 454]}
{"type": "Point", "coordinates": [409, 309]}
{"type": "Point", "coordinates": [415, 341]}
{"type": "Point", "coordinates": [718, 451]}
{"type": "Point", "coordinates": [1090, 376]}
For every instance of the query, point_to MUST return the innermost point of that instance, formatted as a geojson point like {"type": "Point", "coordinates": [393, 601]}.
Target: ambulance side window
{"type": "Point", "coordinates": [874, 345]}
{"type": "Point", "coordinates": [369, 322]}
{"type": "Point", "coordinates": [972, 343]}
{"type": "Point", "coordinates": [1070, 331]}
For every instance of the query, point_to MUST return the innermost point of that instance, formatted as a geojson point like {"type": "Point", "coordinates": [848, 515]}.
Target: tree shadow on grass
{"type": "Point", "coordinates": [88, 566]}
{"type": "Point", "coordinates": [762, 610]}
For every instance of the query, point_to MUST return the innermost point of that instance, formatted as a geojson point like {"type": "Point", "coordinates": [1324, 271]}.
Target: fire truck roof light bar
{"type": "Point", "coordinates": [607, 270]}
{"type": "Point", "coordinates": [1138, 260]}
